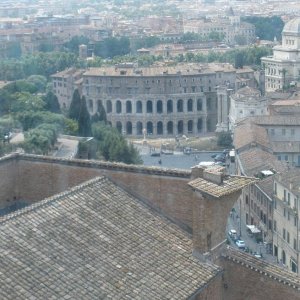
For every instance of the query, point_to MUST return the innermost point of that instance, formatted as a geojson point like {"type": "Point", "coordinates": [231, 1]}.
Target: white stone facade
{"type": "Point", "coordinates": [283, 68]}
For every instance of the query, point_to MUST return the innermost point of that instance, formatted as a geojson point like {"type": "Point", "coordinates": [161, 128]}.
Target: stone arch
{"type": "Point", "coordinates": [128, 107]}
{"type": "Point", "coordinates": [199, 104]}
{"type": "Point", "coordinates": [170, 106]}
{"type": "Point", "coordinates": [180, 127]}
{"type": "Point", "coordinates": [139, 107]}
{"type": "Point", "coordinates": [99, 105]}
{"type": "Point", "coordinates": [139, 128]}
{"type": "Point", "coordinates": [180, 105]}
{"type": "Point", "coordinates": [108, 106]}
{"type": "Point", "coordinates": [149, 128]}
{"type": "Point", "coordinates": [190, 126]}
{"type": "Point", "coordinates": [200, 125]}
{"type": "Point", "coordinates": [190, 105]}
{"type": "Point", "coordinates": [159, 107]}
{"type": "Point", "coordinates": [129, 128]}
{"type": "Point", "coordinates": [119, 126]}
{"type": "Point", "coordinates": [170, 127]}
{"type": "Point", "coordinates": [160, 128]}
{"type": "Point", "coordinates": [118, 107]}
{"type": "Point", "coordinates": [149, 108]}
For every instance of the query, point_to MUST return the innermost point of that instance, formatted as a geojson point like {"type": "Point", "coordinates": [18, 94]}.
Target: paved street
{"type": "Point", "coordinates": [234, 223]}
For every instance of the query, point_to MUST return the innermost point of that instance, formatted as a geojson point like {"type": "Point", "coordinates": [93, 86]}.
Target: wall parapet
{"type": "Point", "coordinates": [272, 271]}
{"type": "Point", "coordinates": [107, 165]}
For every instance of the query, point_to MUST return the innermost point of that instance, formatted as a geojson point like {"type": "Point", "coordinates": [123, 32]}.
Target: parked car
{"type": "Point", "coordinates": [220, 157]}
{"type": "Point", "coordinates": [232, 234]}
{"type": "Point", "coordinates": [241, 244]}
{"type": "Point", "coordinates": [257, 255]}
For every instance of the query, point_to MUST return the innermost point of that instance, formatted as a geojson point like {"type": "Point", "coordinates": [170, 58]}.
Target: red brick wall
{"type": "Point", "coordinates": [9, 182]}
{"type": "Point", "coordinates": [37, 179]}
{"type": "Point", "coordinates": [244, 283]}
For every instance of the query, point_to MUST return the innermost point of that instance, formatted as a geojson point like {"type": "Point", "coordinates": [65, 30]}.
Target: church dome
{"type": "Point", "coordinates": [292, 27]}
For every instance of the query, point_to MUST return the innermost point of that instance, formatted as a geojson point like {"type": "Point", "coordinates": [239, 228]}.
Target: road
{"type": "Point", "coordinates": [178, 160]}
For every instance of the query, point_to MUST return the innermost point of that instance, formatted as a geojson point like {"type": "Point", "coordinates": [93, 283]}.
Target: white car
{"type": "Point", "coordinates": [241, 244]}
{"type": "Point", "coordinates": [232, 234]}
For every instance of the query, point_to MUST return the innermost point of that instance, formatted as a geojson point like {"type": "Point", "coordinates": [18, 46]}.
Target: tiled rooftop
{"type": "Point", "coordinates": [229, 185]}
{"type": "Point", "coordinates": [255, 160]}
{"type": "Point", "coordinates": [247, 133]}
{"type": "Point", "coordinates": [95, 241]}
{"type": "Point", "coordinates": [182, 69]}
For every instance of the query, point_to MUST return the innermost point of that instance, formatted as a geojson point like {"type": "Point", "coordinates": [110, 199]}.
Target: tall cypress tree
{"type": "Point", "coordinates": [78, 111]}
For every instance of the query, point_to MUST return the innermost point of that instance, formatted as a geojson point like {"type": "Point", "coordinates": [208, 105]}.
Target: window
{"type": "Point", "coordinates": [283, 131]}
{"type": "Point", "coordinates": [283, 233]}
{"type": "Point", "coordinates": [275, 226]}
{"type": "Point", "coordinates": [288, 237]}
{"type": "Point", "coordinates": [292, 131]}
{"type": "Point", "coordinates": [288, 215]}
{"type": "Point", "coordinates": [275, 189]}
{"type": "Point", "coordinates": [295, 220]}
{"type": "Point", "coordinates": [295, 244]}
{"type": "Point", "coordinates": [272, 131]}
{"type": "Point", "coordinates": [284, 212]}
{"type": "Point", "coordinates": [289, 199]}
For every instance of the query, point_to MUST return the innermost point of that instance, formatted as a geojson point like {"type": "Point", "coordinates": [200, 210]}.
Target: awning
{"type": "Point", "coordinates": [253, 229]}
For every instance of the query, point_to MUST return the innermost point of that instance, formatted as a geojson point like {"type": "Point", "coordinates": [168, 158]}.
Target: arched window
{"type": "Point", "coordinates": [160, 129]}
{"type": "Point", "coordinates": [199, 104]}
{"type": "Point", "coordinates": [169, 106]}
{"type": "Point", "coordinates": [99, 105]}
{"type": "Point", "coordinates": [170, 127]}
{"type": "Point", "coordinates": [149, 128]}
{"type": "Point", "coordinates": [118, 107]}
{"type": "Point", "coordinates": [139, 128]}
{"type": "Point", "coordinates": [199, 125]}
{"type": "Point", "coordinates": [149, 107]}
{"type": "Point", "coordinates": [108, 106]}
{"type": "Point", "coordinates": [139, 107]}
{"type": "Point", "coordinates": [190, 126]}
{"type": "Point", "coordinates": [179, 105]}
{"type": "Point", "coordinates": [90, 105]}
{"type": "Point", "coordinates": [128, 107]}
{"type": "Point", "coordinates": [128, 128]}
{"type": "Point", "coordinates": [190, 105]}
{"type": "Point", "coordinates": [180, 127]}
{"type": "Point", "coordinates": [119, 126]}
{"type": "Point", "coordinates": [209, 104]}
{"type": "Point", "coordinates": [159, 107]}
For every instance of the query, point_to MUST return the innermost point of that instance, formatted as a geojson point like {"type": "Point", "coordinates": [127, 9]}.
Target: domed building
{"type": "Point", "coordinates": [283, 68]}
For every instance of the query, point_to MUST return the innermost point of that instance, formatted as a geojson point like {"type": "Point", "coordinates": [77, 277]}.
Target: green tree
{"type": "Point", "coordinates": [39, 81]}
{"type": "Point", "coordinates": [78, 112]}
{"type": "Point", "coordinates": [51, 102]}
{"type": "Point", "coordinates": [224, 139]}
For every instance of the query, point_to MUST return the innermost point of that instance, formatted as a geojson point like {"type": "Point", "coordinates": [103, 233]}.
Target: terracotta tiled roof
{"type": "Point", "coordinates": [95, 241]}
{"type": "Point", "coordinates": [229, 185]}
{"type": "Point", "coordinates": [277, 120]}
{"type": "Point", "coordinates": [248, 133]}
{"type": "Point", "coordinates": [255, 160]}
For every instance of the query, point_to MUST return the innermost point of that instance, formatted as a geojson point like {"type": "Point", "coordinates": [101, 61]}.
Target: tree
{"type": "Point", "coordinates": [224, 139]}
{"type": "Point", "coordinates": [78, 112]}
{"type": "Point", "coordinates": [239, 60]}
{"type": "Point", "coordinates": [39, 81]}
{"type": "Point", "coordinates": [51, 102]}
